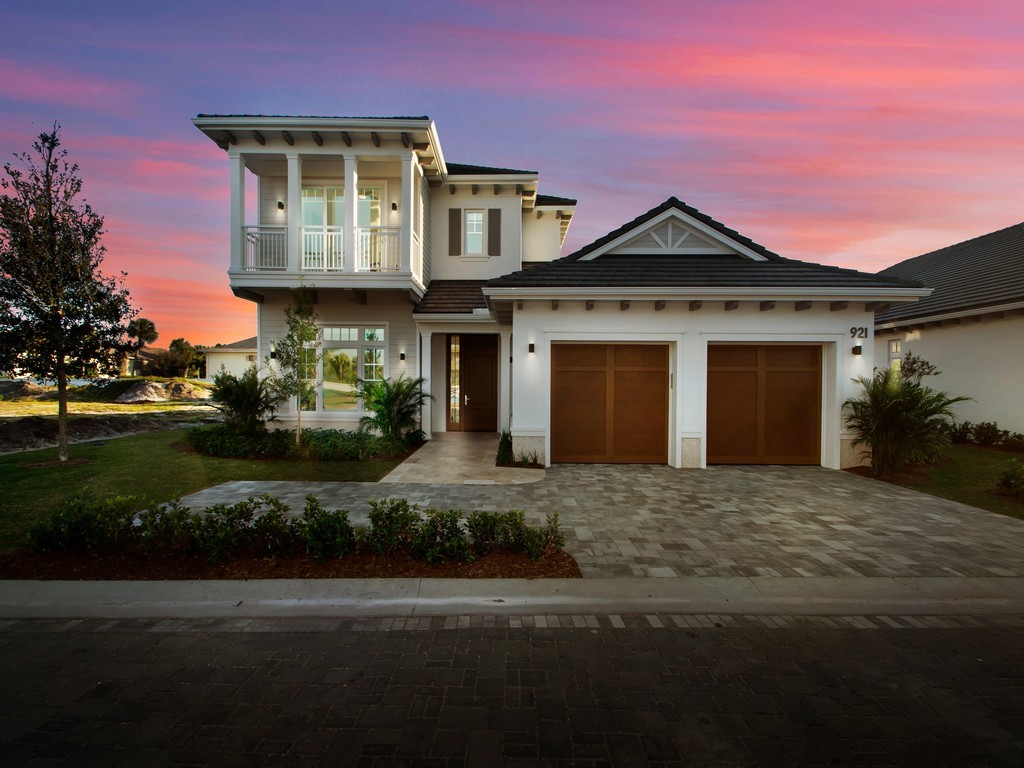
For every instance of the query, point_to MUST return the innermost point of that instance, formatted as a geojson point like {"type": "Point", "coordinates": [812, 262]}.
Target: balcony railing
{"type": "Point", "coordinates": [378, 249]}
{"type": "Point", "coordinates": [266, 249]}
{"type": "Point", "coordinates": [323, 249]}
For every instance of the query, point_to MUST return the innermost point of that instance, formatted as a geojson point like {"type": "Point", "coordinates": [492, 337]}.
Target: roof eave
{"type": "Point", "coordinates": [780, 293]}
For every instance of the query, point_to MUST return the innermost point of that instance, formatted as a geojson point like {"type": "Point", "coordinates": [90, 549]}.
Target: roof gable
{"type": "Point", "coordinates": [674, 228]}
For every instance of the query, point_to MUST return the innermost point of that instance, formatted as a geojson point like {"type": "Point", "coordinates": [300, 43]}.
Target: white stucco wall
{"type": "Point", "coordinates": [233, 361]}
{"type": "Point", "coordinates": [541, 236]}
{"type": "Point", "coordinates": [390, 310]}
{"type": "Point", "coordinates": [979, 359]}
{"type": "Point", "coordinates": [687, 334]}
{"type": "Point", "coordinates": [445, 267]}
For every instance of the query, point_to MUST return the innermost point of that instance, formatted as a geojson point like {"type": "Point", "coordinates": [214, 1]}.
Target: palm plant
{"type": "Point", "coordinates": [393, 405]}
{"type": "Point", "coordinates": [247, 401]}
{"type": "Point", "coordinates": [901, 420]}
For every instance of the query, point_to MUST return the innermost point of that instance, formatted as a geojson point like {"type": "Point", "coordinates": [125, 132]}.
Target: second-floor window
{"type": "Point", "coordinates": [474, 232]}
{"type": "Point", "coordinates": [325, 206]}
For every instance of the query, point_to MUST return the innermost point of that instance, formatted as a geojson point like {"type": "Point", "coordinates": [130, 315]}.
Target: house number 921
{"type": "Point", "coordinates": [859, 332]}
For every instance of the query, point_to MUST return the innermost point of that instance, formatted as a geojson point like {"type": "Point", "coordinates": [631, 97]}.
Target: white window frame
{"type": "Point", "coordinates": [466, 251]}
{"type": "Point", "coordinates": [895, 347]}
{"type": "Point", "coordinates": [361, 345]}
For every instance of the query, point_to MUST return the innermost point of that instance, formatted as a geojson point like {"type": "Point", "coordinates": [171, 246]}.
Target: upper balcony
{"type": "Point", "coordinates": [339, 202]}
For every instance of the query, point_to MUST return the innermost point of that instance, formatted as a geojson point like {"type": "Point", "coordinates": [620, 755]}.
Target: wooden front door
{"type": "Point", "coordinates": [764, 404]}
{"type": "Point", "coordinates": [472, 383]}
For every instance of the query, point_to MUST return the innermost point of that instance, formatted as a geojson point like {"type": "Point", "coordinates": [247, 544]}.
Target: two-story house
{"type": "Point", "coordinates": [673, 339]}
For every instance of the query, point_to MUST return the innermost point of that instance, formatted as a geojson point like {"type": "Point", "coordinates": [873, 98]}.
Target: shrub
{"type": "Point", "coordinates": [902, 421]}
{"type": "Point", "coordinates": [222, 529]}
{"type": "Point", "coordinates": [497, 530]}
{"type": "Point", "coordinates": [1012, 478]}
{"type": "Point", "coordinates": [106, 525]}
{"type": "Point", "coordinates": [1013, 441]}
{"type": "Point", "coordinates": [439, 537]}
{"type": "Point", "coordinates": [988, 433]}
{"type": "Point", "coordinates": [505, 456]}
{"type": "Point", "coordinates": [960, 432]}
{"type": "Point", "coordinates": [247, 401]}
{"type": "Point", "coordinates": [393, 525]}
{"type": "Point", "coordinates": [274, 532]}
{"type": "Point", "coordinates": [168, 528]}
{"type": "Point", "coordinates": [394, 405]}
{"type": "Point", "coordinates": [339, 445]}
{"type": "Point", "coordinates": [221, 441]}
{"type": "Point", "coordinates": [327, 534]}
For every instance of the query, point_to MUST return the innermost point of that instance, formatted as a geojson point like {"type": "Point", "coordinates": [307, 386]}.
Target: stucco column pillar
{"type": "Point", "coordinates": [294, 212]}
{"type": "Point", "coordinates": [408, 180]}
{"type": "Point", "coordinates": [505, 381]}
{"type": "Point", "coordinates": [237, 211]}
{"type": "Point", "coordinates": [350, 237]}
{"type": "Point", "coordinates": [425, 363]}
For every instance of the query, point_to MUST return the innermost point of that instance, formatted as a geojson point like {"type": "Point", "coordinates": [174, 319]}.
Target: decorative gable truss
{"type": "Point", "coordinates": [673, 232]}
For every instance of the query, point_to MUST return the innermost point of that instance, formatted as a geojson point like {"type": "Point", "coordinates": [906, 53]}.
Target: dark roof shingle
{"type": "Point", "coordinates": [982, 272]}
{"type": "Point", "coordinates": [461, 169]}
{"type": "Point", "coordinates": [448, 297]}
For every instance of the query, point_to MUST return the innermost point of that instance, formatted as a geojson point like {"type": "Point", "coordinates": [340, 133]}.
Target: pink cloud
{"type": "Point", "coordinates": [53, 85]}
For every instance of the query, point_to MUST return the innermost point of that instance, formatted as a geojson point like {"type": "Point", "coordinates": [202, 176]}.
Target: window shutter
{"type": "Point", "coordinates": [454, 231]}
{"type": "Point", "coordinates": [494, 232]}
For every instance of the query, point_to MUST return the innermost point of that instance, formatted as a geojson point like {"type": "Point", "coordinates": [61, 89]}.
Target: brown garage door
{"type": "Point", "coordinates": [764, 404]}
{"type": "Point", "coordinates": [609, 403]}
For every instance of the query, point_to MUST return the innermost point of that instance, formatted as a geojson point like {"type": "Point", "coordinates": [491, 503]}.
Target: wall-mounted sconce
{"type": "Point", "coordinates": [401, 356]}
{"type": "Point", "coordinates": [533, 348]}
{"type": "Point", "coordinates": [280, 205]}
{"type": "Point", "coordinates": [273, 351]}
{"type": "Point", "coordinates": [858, 349]}
{"type": "Point", "coordinates": [394, 206]}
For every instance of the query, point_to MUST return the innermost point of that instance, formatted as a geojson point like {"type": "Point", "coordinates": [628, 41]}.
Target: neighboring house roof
{"type": "Point", "coordinates": [318, 117]}
{"type": "Point", "coordinates": [461, 169]}
{"type": "Point", "coordinates": [690, 270]}
{"type": "Point", "coordinates": [552, 200]}
{"type": "Point", "coordinates": [449, 297]}
{"type": "Point", "coordinates": [245, 344]}
{"type": "Point", "coordinates": [968, 278]}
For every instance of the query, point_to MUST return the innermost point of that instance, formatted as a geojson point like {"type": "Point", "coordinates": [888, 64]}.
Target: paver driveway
{"type": "Point", "coordinates": [726, 521]}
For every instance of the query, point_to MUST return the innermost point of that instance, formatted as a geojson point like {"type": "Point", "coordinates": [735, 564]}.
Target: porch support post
{"type": "Point", "coordinates": [408, 179]}
{"type": "Point", "coordinates": [505, 381]}
{"type": "Point", "coordinates": [427, 410]}
{"type": "Point", "coordinates": [237, 210]}
{"type": "Point", "coordinates": [350, 238]}
{"type": "Point", "coordinates": [294, 212]}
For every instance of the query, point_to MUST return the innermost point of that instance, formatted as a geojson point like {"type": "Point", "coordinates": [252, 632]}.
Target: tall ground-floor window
{"type": "Point", "coordinates": [351, 354]}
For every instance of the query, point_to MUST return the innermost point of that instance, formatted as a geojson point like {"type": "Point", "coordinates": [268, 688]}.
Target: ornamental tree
{"type": "Point", "coordinates": [60, 317]}
{"type": "Point", "coordinates": [298, 356]}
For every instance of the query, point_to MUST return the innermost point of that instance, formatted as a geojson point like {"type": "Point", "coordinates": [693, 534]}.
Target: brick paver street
{"type": "Point", "coordinates": [657, 690]}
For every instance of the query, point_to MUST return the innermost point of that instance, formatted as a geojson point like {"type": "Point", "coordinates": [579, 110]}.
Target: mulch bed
{"type": "Point", "coordinates": [97, 566]}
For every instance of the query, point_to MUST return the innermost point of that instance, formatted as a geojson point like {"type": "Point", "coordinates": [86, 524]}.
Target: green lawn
{"type": "Point", "coordinates": [969, 476]}
{"type": "Point", "coordinates": [148, 465]}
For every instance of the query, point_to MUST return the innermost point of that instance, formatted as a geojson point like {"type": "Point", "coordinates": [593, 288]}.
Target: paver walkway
{"type": "Point", "coordinates": [466, 457]}
{"type": "Point", "coordinates": [584, 691]}
{"type": "Point", "coordinates": [655, 521]}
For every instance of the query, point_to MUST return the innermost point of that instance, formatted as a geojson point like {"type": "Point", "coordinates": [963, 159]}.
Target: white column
{"type": "Point", "coordinates": [505, 381]}
{"type": "Point", "coordinates": [237, 210]}
{"type": "Point", "coordinates": [427, 411]}
{"type": "Point", "coordinates": [294, 212]}
{"type": "Point", "coordinates": [351, 212]}
{"type": "Point", "coordinates": [408, 182]}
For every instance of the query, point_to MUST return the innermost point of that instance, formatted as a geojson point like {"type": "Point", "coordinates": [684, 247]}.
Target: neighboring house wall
{"type": "Point", "coordinates": [390, 310]}
{"type": "Point", "coordinates": [978, 359]}
{"type": "Point", "coordinates": [233, 361]}
{"type": "Point", "coordinates": [687, 334]}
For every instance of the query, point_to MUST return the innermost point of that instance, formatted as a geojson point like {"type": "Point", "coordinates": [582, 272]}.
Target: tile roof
{"type": "Point", "coordinates": [727, 271]}
{"type": "Point", "coordinates": [552, 200]}
{"type": "Point", "coordinates": [983, 272]}
{"type": "Point", "coordinates": [448, 297]}
{"type": "Point", "coordinates": [679, 205]}
{"type": "Point", "coordinates": [249, 343]}
{"type": "Point", "coordinates": [461, 169]}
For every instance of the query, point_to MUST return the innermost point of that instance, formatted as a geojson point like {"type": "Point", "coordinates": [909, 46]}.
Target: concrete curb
{"type": "Point", "coordinates": [447, 597]}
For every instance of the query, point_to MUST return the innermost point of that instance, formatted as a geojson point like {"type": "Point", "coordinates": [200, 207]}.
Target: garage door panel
{"type": "Point", "coordinates": [764, 404]}
{"type": "Point", "coordinates": [609, 403]}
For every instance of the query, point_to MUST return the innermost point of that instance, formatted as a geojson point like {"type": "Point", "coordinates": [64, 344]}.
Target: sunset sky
{"type": "Point", "coordinates": [856, 134]}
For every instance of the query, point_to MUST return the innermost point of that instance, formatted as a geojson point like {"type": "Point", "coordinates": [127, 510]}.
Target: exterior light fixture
{"type": "Point", "coordinates": [858, 349]}
{"type": "Point", "coordinates": [401, 356]}
{"type": "Point", "coordinates": [533, 348]}
{"type": "Point", "coordinates": [280, 205]}
{"type": "Point", "coordinates": [273, 351]}
{"type": "Point", "coordinates": [394, 206]}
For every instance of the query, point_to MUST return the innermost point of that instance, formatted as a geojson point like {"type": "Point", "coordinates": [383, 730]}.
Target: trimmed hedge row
{"type": "Point", "coordinates": [266, 525]}
{"type": "Point", "coordinates": [221, 441]}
